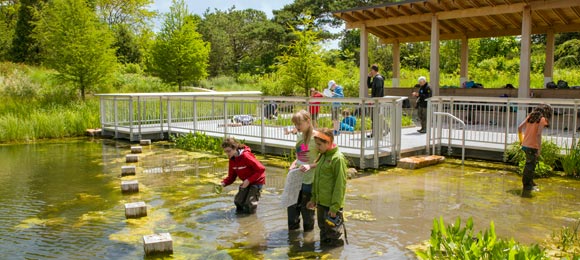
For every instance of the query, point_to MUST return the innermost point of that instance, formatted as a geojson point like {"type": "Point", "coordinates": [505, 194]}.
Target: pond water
{"type": "Point", "coordinates": [63, 200]}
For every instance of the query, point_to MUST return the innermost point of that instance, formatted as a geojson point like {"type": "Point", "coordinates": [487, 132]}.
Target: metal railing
{"type": "Point", "coordinates": [492, 122]}
{"type": "Point", "coordinates": [213, 113]}
{"type": "Point", "coordinates": [449, 149]}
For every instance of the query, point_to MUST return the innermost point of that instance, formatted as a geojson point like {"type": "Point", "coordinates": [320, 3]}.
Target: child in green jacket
{"type": "Point", "coordinates": [329, 188]}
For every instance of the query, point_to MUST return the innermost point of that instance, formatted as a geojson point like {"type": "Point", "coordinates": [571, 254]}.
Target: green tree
{"type": "Point", "coordinates": [127, 49]}
{"type": "Point", "coordinates": [568, 54]}
{"type": "Point", "coordinates": [301, 65]}
{"type": "Point", "coordinates": [76, 44]}
{"type": "Point", "coordinates": [242, 41]}
{"type": "Point", "coordinates": [24, 47]}
{"type": "Point", "coordinates": [179, 53]}
{"type": "Point", "coordinates": [8, 18]}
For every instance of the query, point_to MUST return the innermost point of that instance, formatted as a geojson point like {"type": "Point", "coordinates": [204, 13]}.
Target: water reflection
{"type": "Point", "coordinates": [64, 199]}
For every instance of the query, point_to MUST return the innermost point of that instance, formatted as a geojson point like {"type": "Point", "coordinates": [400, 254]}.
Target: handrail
{"type": "Point", "coordinates": [450, 129]}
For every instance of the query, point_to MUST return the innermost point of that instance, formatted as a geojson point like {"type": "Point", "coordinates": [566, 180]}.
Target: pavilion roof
{"type": "Point", "coordinates": [410, 21]}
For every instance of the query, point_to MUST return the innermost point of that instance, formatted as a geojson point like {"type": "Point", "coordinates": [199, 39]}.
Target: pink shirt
{"type": "Point", "coordinates": [533, 133]}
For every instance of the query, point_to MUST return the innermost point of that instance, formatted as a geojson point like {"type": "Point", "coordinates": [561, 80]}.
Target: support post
{"type": "Point", "coordinates": [364, 62]}
{"type": "Point", "coordinates": [434, 65]}
{"type": "Point", "coordinates": [396, 64]}
{"type": "Point", "coordinates": [463, 75]}
{"type": "Point", "coordinates": [524, 87]}
{"type": "Point", "coordinates": [549, 66]}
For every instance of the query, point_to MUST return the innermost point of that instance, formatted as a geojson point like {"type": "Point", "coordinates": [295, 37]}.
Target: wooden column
{"type": "Point", "coordinates": [396, 64]}
{"type": "Point", "coordinates": [524, 87]}
{"type": "Point", "coordinates": [524, 84]}
{"type": "Point", "coordinates": [463, 75]}
{"type": "Point", "coordinates": [364, 62]}
{"type": "Point", "coordinates": [434, 67]}
{"type": "Point", "coordinates": [549, 66]}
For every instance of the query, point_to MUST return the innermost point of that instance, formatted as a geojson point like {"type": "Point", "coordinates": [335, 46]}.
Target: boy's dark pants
{"type": "Point", "coordinates": [328, 234]}
{"type": "Point", "coordinates": [529, 168]}
{"type": "Point", "coordinates": [295, 210]}
{"type": "Point", "coordinates": [247, 199]}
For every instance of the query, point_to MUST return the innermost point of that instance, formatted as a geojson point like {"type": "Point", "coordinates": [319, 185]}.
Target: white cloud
{"type": "Point", "coordinates": [199, 6]}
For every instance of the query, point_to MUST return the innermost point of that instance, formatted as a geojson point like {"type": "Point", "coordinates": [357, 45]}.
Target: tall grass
{"type": "Point", "coordinates": [55, 122]}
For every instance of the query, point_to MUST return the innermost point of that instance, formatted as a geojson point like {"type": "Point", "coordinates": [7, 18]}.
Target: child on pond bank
{"type": "Point", "coordinates": [329, 188]}
{"type": "Point", "coordinates": [243, 164]}
{"type": "Point", "coordinates": [531, 141]}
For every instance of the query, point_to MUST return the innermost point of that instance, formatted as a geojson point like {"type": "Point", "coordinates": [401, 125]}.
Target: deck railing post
{"type": "Point", "coordinates": [116, 117]}
{"type": "Point", "coordinates": [139, 117]}
{"type": "Point", "coordinates": [377, 131]}
{"type": "Point", "coordinates": [168, 116]}
{"type": "Point", "coordinates": [130, 118]}
{"type": "Point", "coordinates": [263, 124]}
{"type": "Point", "coordinates": [363, 134]}
{"type": "Point", "coordinates": [576, 127]}
{"type": "Point", "coordinates": [195, 118]}
{"type": "Point", "coordinates": [225, 117]}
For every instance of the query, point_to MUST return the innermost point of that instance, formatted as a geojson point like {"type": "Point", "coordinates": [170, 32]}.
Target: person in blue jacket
{"type": "Point", "coordinates": [336, 93]}
{"type": "Point", "coordinates": [348, 122]}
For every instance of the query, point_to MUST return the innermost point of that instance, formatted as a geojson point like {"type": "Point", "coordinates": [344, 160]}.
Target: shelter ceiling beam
{"type": "Point", "coordinates": [576, 11]}
{"type": "Point", "coordinates": [541, 15]}
{"type": "Point", "coordinates": [486, 34]}
{"type": "Point", "coordinates": [560, 16]}
{"type": "Point", "coordinates": [445, 15]}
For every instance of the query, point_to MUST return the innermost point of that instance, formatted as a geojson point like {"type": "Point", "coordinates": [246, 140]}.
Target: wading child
{"type": "Point", "coordinates": [532, 142]}
{"type": "Point", "coordinates": [243, 164]}
{"type": "Point", "coordinates": [329, 188]}
{"type": "Point", "coordinates": [298, 186]}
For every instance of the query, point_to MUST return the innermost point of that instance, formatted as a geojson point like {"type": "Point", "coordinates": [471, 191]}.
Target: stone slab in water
{"type": "Point", "coordinates": [420, 161]}
{"type": "Point", "coordinates": [129, 186]}
{"type": "Point", "coordinates": [128, 170]}
{"type": "Point", "coordinates": [158, 244]}
{"type": "Point", "coordinates": [132, 158]}
{"type": "Point", "coordinates": [136, 149]}
{"type": "Point", "coordinates": [145, 142]}
{"type": "Point", "coordinates": [135, 209]}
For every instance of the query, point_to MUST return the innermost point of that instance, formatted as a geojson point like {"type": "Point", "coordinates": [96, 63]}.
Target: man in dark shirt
{"type": "Point", "coordinates": [423, 94]}
{"type": "Point", "coordinates": [376, 83]}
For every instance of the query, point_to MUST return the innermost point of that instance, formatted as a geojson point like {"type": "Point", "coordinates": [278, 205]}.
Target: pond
{"type": "Point", "coordinates": [63, 200]}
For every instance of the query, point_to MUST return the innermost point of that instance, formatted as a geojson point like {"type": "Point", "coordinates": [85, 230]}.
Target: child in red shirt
{"type": "Point", "coordinates": [243, 164]}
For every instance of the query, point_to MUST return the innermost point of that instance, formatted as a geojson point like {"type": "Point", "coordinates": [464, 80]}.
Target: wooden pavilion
{"type": "Point", "coordinates": [436, 20]}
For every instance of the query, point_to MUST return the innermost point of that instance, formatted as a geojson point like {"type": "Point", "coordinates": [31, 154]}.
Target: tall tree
{"type": "Point", "coordinates": [76, 44]}
{"type": "Point", "coordinates": [242, 41]}
{"type": "Point", "coordinates": [301, 66]}
{"type": "Point", "coordinates": [24, 47]}
{"type": "Point", "coordinates": [179, 54]}
{"type": "Point", "coordinates": [127, 49]}
{"type": "Point", "coordinates": [8, 18]}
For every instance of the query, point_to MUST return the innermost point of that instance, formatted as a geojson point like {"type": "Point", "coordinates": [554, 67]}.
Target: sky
{"type": "Point", "coordinates": [200, 6]}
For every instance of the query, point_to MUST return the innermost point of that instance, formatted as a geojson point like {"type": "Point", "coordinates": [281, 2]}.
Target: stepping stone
{"type": "Point", "coordinates": [136, 149]}
{"type": "Point", "coordinates": [129, 186]}
{"type": "Point", "coordinates": [135, 209]}
{"type": "Point", "coordinates": [128, 170]}
{"type": "Point", "coordinates": [158, 244]}
{"type": "Point", "coordinates": [420, 161]}
{"type": "Point", "coordinates": [132, 158]}
{"type": "Point", "coordinates": [145, 142]}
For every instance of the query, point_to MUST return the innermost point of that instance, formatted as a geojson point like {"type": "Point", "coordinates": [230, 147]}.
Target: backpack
{"type": "Point", "coordinates": [551, 85]}
{"type": "Point", "coordinates": [562, 84]}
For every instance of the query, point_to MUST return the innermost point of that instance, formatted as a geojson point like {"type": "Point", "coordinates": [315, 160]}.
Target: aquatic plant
{"type": "Point", "coordinates": [198, 142]}
{"type": "Point", "coordinates": [456, 242]}
{"type": "Point", "coordinates": [565, 243]}
{"type": "Point", "coordinates": [571, 161]}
